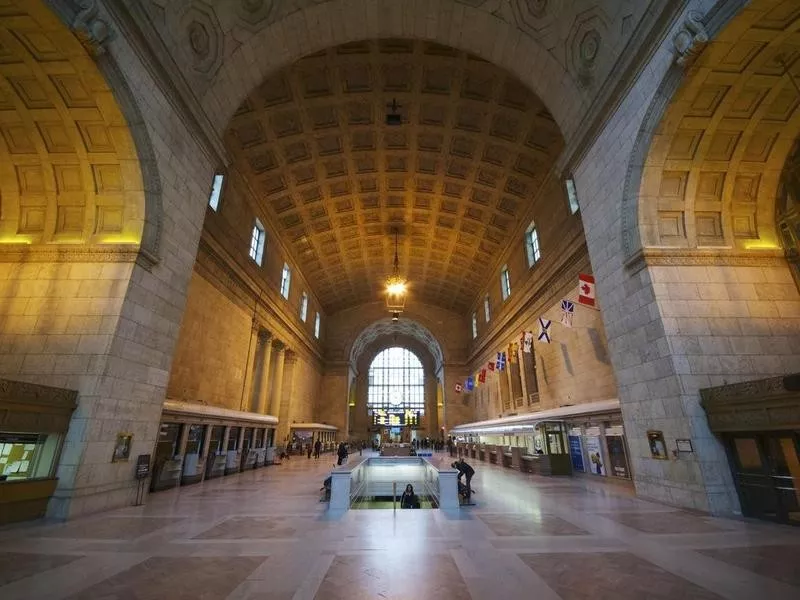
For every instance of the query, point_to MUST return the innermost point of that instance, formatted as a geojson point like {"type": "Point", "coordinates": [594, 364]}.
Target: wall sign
{"type": "Point", "coordinates": [658, 448]}
{"type": "Point", "coordinates": [617, 458]}
{"type": "Point", "coordinates": [684, 445]}
{"type": "Point", "coordinates": [576, 453]}
{"type": "Point", "coordinates": [596, 461]}
{"type": "Point", "coordinates": [142, 466]}
{"type": "Point", "coordinates": [122, 449]}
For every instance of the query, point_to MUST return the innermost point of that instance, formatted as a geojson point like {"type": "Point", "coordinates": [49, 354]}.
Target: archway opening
{"type": "Point", "coordinates": [396, 394]}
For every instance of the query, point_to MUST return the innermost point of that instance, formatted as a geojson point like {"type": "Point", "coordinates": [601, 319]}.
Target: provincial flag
{"type": "Point", "coordinates": [501, 361]}
{"type": "Point", "coordinates": [544, 330]}
{"type": "Point", "coordinates": [482, 376]}
{"type": "Point", "coordinates": [459, 388]}
{"type": "Point", "coordinates": [490, 365]}
{"type": "Point", "coordinates": [586, 293]}
{"type": "Point", "coordinates": [527, 342]}
{"type": "Point", "coordinates": [470, 384]}
{"type": "Point", "coordinates": [567, 312]}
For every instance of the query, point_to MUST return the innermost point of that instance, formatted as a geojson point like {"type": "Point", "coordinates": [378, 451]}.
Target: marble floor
{"type": "Point", "coordinates": [265, 535]}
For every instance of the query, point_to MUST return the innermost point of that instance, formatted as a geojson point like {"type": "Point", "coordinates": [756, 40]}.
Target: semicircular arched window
{"type": "Point", "coordinates": [396, 393]}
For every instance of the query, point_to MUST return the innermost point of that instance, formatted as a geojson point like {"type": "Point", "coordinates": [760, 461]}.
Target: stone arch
{"type": "Point", "coordinates": [72, 157]}
{"type": "Point", "coordinates": [281, 42]}
{"type": "Point", "coordinates": [384, 330]}
{"type": "Point", "coordinates": [704, 171]}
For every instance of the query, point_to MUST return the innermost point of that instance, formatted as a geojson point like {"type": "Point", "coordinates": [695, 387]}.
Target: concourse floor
{"type": "Point", "coordinates": [265, 535]}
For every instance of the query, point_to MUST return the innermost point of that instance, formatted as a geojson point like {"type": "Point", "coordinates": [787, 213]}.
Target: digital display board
{"type": "Point", "coordinates": [395, 417]}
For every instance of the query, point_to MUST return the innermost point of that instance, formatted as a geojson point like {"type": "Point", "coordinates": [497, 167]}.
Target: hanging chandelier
{"type": "Point", "coordinates": [396, 287]}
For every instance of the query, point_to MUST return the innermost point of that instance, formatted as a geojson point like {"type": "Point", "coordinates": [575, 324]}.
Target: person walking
{"type": "Point", "coordinates": [317, 448]}
{"type": "Point", "coordinates": [341, 453]}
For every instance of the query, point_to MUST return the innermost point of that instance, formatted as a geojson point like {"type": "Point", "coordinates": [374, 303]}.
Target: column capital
{"type": "Point", "coordinates": [290, 357]}
{"type": "Point", "coordinates": [278, 346]}
{"type": "Point", "coordinates": [266, 335]}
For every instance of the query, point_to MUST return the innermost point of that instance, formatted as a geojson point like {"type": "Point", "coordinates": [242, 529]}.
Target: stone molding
{"type": "Point", "coordinates": [93, 31]}
{"type": "Point", "coordinates": [690, 39]}
{"type": "Point", "coordinates": [538, 297]}
{"type": "Point", "coordinates": [220, 270]}
{"type": "Point", "coordinates": [764, 404]}
{"type": "Point", "coordinates": [131, 22]}
{"type": "Point", "coordinates": [680, 257]}
{"type": "Point", "coordinates": [23, 253]}
{"type": "Point", "coordinates": [631, 62]}
{"type": "Point", "coordinates": [30, 407]}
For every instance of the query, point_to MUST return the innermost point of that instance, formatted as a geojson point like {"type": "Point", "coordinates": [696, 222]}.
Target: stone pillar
{"type": "Point", "coordinates": [285, 403]}
{"type": "Point", "coordinates": [263, 389]}
{"type": "Point", "coordinates": [183, 440]}
{"type": "Point", "coordinates": [247, 401]}
{"type": "Point", "coordinates": [277, 387]}
{"type": "Point", "coordinates": [431, 422]}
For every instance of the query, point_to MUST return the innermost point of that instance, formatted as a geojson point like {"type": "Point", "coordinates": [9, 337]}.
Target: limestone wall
{"type": "Point", "coordinates": [212, 352]}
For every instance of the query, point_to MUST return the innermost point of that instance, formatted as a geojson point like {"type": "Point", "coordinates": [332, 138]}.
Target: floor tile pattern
{"type": "Point", "coordinates": [769, 561]}
{"type": "Point", "coordinates": [619, 575]}
{"type": "Point", "coordinates": [265, 535]}
{"type": "Point", "coordinates": [15, 565]}
{"type": "Point", "coordinates": [185, 578]}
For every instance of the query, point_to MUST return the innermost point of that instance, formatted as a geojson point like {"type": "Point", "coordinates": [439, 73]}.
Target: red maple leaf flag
{"type": "Point", "coordinates": [586, 293]}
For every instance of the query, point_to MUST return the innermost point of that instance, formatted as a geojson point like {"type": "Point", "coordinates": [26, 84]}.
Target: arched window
{"type": "Point", "coordinates": [396, 388]}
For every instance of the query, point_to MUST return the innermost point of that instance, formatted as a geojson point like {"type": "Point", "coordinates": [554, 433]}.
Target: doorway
{"type": "Point", "coordinates": [766, 468]}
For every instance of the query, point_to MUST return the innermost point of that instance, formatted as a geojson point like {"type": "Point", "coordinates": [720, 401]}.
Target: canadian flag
{"type": "Point", "coordinates": [586, 293]}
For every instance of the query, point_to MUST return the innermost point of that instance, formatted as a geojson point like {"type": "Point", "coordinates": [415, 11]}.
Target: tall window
{"type": "Point", "coordinates": [396, 393]}
{"type": "Point", "coordinates": [216, 191]}
{"type": "Point", "coordinates": [486, 311]}
{"type": "Point", "coordinates": [572, 195]}
{"type": "Point", "coordinates": [474, 325]}
{"type": "Point", "coordinates": [317, 321]}
{"type": "Point", "coordinates": [304, 307]}
{"type": "Point", "coordinates": [286, 280]}
{"type": "Point", "coordinates": [532, 245]}
{"type": "Point", "coordinates": [505, 282]}
{"type": "Point", "coordinates": [257, 242]}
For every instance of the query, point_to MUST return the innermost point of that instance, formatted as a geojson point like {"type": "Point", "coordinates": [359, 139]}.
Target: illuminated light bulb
{"type": "Point", "coordinates": [396, 288]}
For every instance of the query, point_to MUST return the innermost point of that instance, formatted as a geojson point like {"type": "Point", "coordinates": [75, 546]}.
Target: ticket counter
{"type": "Point", "coordinates": [33, 424]}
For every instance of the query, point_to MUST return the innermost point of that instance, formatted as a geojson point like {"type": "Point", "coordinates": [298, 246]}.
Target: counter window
{"type": "Point", "coordinates": [195, 439]}
{"type": "Point", "coordinates": [168, 438]}
{"type": "Point", "coordinates": [233, 439]}
{"type": "Point", "coordinates": [27, 455]}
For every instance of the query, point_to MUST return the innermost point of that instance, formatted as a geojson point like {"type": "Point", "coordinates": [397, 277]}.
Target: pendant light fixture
{"type": "Point", "coordinates": [396, 286]}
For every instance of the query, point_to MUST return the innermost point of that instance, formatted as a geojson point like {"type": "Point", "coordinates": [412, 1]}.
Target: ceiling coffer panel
{"type": "Point", "coordinates": [471, 152]}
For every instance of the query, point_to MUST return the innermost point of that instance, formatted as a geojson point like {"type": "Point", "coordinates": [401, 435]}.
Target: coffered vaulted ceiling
{"type": "Point", "coordinates": [455, 178]}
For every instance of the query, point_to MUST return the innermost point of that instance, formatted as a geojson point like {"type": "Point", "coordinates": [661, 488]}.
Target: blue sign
{"type": "Point", "coordinates": [576, 452]}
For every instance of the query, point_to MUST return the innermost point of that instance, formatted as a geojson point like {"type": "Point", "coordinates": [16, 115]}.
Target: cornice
{"type": "Point", "coordinates": [264, 302]}
{"type": "Point", "coordinates": [25, 253]}
{"type": "Point", "coordinates": [536, 296]}
{"type": "Point", "coordinates": [682, 257]}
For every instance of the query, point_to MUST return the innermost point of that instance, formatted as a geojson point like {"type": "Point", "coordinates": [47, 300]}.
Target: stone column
{"type": "Point", "coordinates": [277, 387]}
{"type": "Point", "coordinates": [285, 403]}
{"type": "Point", "coordinates": [263, 389]}
{"type": "Point", "coordinates": [247, 400]}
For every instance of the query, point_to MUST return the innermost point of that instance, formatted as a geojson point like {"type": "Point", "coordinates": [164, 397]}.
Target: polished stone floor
{"type": "Point", "coordinates": [265, 535]}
